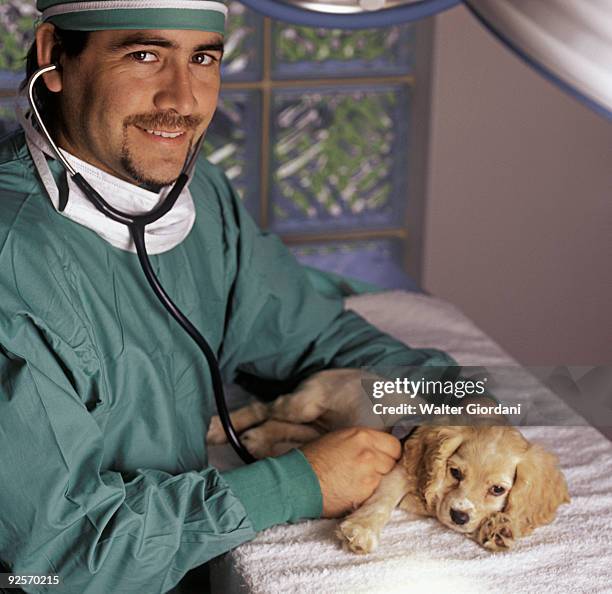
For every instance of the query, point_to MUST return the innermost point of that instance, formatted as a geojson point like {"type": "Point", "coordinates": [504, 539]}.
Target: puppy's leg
{"type": "Point", "coordinates": [496, 533]}
{"type": "Point", "coordinates": [304, 405]}
{"type": "Point", "coordinates": [360, 531]}
{"type": "Point", "coordinates": [333, 398]}
{"type": "Point", "coordinates": [262, 441]}
{"type": "Point", "coordinates": [242, 419]}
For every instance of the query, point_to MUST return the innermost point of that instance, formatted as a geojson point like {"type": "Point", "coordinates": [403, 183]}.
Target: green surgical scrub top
{"type": "Point", "coordinates": [105, 401]}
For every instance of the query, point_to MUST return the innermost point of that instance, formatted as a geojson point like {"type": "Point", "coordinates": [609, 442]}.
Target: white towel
{"type": "Point", "coordinates": [573, 554]}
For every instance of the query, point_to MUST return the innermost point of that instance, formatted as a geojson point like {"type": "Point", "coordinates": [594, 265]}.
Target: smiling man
{"type": "Point", "coordinates": [136, 101]}
{"type": "Point", "coordinates": [104, 401]}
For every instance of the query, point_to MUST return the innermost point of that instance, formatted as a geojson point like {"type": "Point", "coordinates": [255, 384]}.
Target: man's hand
{"type": "Point", "coordinates": [349, 464]}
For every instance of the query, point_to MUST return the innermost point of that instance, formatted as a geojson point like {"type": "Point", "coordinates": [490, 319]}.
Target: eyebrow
{"type": "Point", "coordinates": [142, 39]}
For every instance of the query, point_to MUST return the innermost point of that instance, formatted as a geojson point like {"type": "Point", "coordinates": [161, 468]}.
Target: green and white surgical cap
{"type": "Point", "coordinates": [98, 15]}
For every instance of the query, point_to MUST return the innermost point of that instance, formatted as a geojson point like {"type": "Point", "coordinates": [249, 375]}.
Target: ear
{"type": "Point", "coordinates": [539, 489]}
{"type": "Point", "coordinates": [45, 43]}
{"type": "Point", "coordinates": [433, 446]}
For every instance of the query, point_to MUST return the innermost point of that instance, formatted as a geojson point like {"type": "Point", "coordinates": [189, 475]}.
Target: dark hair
{"type": "Point", "coordinates": [69, 43]}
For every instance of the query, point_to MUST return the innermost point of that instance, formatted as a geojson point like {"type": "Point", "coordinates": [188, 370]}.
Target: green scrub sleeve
{"type": "Point", "coordinates": [104, 531]}
{"type": "Point", "coordinates": [276, 490]}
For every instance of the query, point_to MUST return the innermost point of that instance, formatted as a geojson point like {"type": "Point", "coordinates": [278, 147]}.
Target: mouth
{"type": "Point", "coordinates": [164, 134]}
{"type": "Point", "coordinates": [172, 137]}
{"type": "Point", "coordinates": [461, 529]}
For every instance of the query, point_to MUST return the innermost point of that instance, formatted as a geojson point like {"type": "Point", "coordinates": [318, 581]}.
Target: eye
{"type": "Point", "coordinates": [204, 59]}
{"type": "Point", "coordinates": [497, 490]}
{"type": "Point", "coordinates": [142, 56]}
{"type": "Point", "coordinates": [456, 473]}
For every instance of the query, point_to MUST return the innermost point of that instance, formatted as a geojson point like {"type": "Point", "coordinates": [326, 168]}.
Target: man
{"type": "Point", "coordinates": [104, 400]}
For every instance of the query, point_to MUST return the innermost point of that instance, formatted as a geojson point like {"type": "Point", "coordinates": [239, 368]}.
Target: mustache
{"type": "Point", "coordinates": [166, 120]}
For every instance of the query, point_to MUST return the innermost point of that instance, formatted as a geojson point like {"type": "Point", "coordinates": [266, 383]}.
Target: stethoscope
{"type": "Point", "coordinates": [136, 225]}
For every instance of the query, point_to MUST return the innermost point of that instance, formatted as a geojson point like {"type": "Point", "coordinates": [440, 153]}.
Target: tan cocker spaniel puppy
{"type": "Point", "coordinates": [488, 483]}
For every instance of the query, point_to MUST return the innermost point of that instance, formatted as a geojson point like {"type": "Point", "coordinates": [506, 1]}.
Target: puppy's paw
{"type": "Point", "coordinates": [296, 408]}
{"type": "Point", "coordinates": [496, 533]}
{"type": "Point", "coordinates": [258, 442]}
{"type": "Point", "coordinates": [356, 537]}
{"type": "Point", "coordinates": [216, 434]}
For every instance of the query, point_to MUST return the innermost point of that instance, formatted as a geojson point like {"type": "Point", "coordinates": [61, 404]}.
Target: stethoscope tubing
{"type": "Point", "coordinates": [136, 225]}
{"type": "Point", "coordinates": [137, 232]}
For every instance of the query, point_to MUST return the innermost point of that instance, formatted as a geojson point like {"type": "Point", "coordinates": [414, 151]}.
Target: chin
{"type": "Point", "coordinates": [160, 177]}
{"type": "Point", "coordinates": [151, 178]}
{"type": "Point", "coordinates": [150, 172]}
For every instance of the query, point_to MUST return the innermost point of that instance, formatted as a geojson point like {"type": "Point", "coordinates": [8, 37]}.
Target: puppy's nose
{"type": "Point", "coordinates": [459, 517]}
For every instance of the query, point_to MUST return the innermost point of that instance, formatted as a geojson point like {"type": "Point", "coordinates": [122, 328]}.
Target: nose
{"type": "Point", "coordinates": [459, 517]}
{"type": "Point", "coordinates": [176, 91]}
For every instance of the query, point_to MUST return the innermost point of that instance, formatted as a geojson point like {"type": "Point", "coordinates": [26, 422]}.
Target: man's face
{"type": "Point", "coordinates": [134, 102]}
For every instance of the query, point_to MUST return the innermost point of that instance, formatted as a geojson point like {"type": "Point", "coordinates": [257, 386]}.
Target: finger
{"type": "Point", "coordinates": [387, 444]}
{"type": "Point", "coordinates": [384, 464]}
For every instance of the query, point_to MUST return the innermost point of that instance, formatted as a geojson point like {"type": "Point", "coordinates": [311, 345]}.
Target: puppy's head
{"type": "Point", "coordinates": [466, 474]}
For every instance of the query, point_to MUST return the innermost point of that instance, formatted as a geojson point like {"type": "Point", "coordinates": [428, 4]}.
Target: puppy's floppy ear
{"type": "Point", "coordinates": [539, 489]}
{"type": "Point", "coordinates": [425, 455]}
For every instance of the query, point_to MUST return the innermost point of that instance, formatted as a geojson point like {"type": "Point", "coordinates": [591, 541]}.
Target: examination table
{"type": "Point", "coordinates": [573, 554]}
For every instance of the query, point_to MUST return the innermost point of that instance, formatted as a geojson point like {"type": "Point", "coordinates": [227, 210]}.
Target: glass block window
{"type": "Point", "coordinates": [305, 51]}
{"type": "Point", "coordinates": [232, 142]}
{"type": "Point", "coordinates": [335, 144]}
{"type": "Point", "coordinates": [376, 259]}
{"type": "Point", "coordinates": [241, 60]}
{"type": "Point", "coordinates": [313, 128]}
{"type": "Point", "coordinates": [17, 19]}
{"type": "Point", "coordinates": [334, 157]}
{"type": "Point", "coordinates": [8, 120]}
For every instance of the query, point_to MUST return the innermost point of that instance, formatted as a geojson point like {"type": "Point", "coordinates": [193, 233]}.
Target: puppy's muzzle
{"type": "Point", "coordinates": [459, 517]}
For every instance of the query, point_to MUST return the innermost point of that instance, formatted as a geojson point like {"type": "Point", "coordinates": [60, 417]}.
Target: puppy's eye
{"type": "Point", "coordinates": [456, 473]}
{"type": "Point", "coordinates": [497, 490]}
